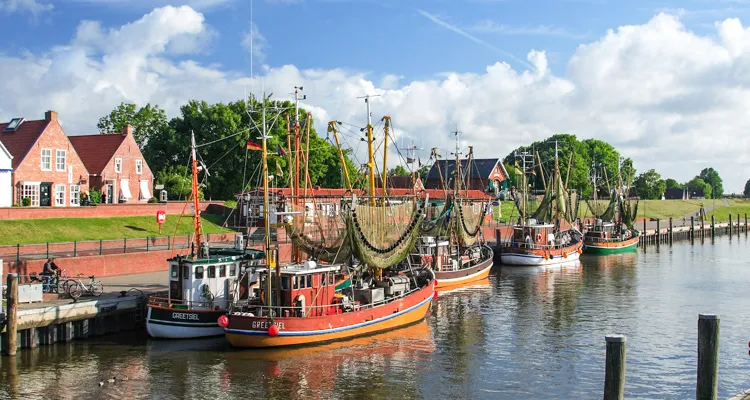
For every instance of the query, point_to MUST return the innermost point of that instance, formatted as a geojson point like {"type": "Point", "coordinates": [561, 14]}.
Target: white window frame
{"type": "Point", "coordinates": [49, 160]}
{"type": "Point", "coordinates": [118, 165]}
{"type": "Point", "coordinates": [138, 167]}
{"type": "Point", "coordinates": [31, 190]}
{"type": "Point", "coordinates": [64, 158]}
{"type": "Point", "coordinates": [59, 189]}
{"type": "Point", "coordinates": [75, 195]}
{"type": "Point", "coordinates": [70, 174]}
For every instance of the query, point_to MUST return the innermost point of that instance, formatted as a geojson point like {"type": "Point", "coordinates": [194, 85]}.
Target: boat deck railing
{"type": "Point", "coordinates": [533, 246]}
{"type": "Point", "coordinates": [187, 304]}
{"type": "Point", "coordinates": [321, 310]}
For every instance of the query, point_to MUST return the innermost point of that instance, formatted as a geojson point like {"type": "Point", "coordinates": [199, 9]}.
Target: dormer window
{"type": "Point", "coordinates": [13, 125]}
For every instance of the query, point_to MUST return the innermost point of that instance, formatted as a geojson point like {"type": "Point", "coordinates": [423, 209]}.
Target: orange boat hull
{"type": "Point", "coordinates": [464, 276]}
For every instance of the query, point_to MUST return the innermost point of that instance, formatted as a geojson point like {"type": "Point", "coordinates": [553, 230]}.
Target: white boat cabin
{"type": "Point", "coordinates": [534, 234]}
{"type": "Point", "coordinates": [212, 283]}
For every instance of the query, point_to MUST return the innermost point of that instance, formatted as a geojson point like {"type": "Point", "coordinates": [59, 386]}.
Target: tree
{"type": "Point", "coordinates": [177, 182]}
{"type": "Point", "coordinates": [746, 192]}
{"type": "Point", "coordinates": [699, 184]}
{"type": "Point", "coordinates": [398, 171]}
{"type": "Point", "coordinates": [712, 178]}
{"type": "Point", "coordinates": [672, 184]}
{"type": "Point", "coordinates": [649, 185]}
{"type": "Point", "coordinates": [147, 121]}
{"type": "Point", "coordinates": [514, 176]}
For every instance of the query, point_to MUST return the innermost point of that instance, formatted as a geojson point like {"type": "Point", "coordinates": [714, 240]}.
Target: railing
{"type": "Point", "coordinates": [188, 304]}
{"type": "Point", "coordinates": [37, 251]}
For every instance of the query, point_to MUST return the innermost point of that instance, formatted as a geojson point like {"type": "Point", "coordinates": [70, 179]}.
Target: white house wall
{"type": "Point", "coordinates": [6, 183]}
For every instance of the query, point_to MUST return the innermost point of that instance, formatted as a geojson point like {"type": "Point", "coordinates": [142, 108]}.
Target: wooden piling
{"type": "Point", "coordinates": [614, 371]}
{"type": "Point", "coordinates": [745, 222]}
{"type": "Point", "coordinates": [708, 357]}
{"type": "Point", "coordinates": [11, 328]}
{"type": "Point", "coordinates": [658, 232]}
{"type": "Point", "coordinates": [730, 225]}
{"type": "Point", "coordinates": [671, 232]}
{"type": "Point", "coordinates": [713, 226]}
{"type": "Point", "coordinates": [692, 227]}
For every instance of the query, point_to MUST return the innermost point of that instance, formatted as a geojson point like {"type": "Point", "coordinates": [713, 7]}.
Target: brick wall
{"type": "Point", "coordinates": [100, 211]}
{"type": "Point", "coordinates": [113, 264]}
{"type": "Point", "coordinates": [129, 153]}
{"type": "Point", "coordinates": [29, 170]}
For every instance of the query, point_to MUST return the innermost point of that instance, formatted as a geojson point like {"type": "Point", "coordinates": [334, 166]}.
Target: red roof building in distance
{"type": "Point", "coordinates": [46, 168]}
{"type": "Point", "coordinates": [116, 166]}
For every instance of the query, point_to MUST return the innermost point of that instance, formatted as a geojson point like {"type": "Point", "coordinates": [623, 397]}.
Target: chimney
{"type": "Point", "coordinates": [127, 130]}
{"type": "Point", "coordinates": [50, 116]}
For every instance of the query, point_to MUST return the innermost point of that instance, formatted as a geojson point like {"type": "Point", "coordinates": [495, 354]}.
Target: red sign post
{"type": "Point", "coordinates": [161, 216]}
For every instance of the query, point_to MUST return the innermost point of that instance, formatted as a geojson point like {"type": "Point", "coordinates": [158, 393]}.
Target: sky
{"type": "Point", "coordinates": [666, 83]}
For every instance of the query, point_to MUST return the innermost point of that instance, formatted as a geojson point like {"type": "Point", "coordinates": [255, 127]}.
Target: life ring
{"type": "Point", "coordinates": [565, 255]}
{"type": "Point", "coordinates": [538, 237]}
{"type": "Point", "coordinates": [580, 251]}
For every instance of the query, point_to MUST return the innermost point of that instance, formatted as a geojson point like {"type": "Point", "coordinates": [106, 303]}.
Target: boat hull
{"type": "Point", "coordinates": [170, 323]}
{"type": "Point", "coordinates": [514, 256]}
{"type": "Point", "coordinates": [478, 272]}
{"type": "Point", "coordinates": [252, 331]}
{"type": "Point", "coordinates": [613, 247]}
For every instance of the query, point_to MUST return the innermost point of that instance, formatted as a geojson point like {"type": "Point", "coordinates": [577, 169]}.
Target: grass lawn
{"type": "Point", "coordinates": [77, 229]}
{"type": "Point", "coordinates": [662, 209]}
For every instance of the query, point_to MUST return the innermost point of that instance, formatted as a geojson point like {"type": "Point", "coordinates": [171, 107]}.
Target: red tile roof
{"type": "Point", "coordinates": [20, 141]}
{"type": "Point", "coordinates": [96, 150]}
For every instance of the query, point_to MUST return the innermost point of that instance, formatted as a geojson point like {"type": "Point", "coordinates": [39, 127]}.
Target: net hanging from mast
{"type": "Point", "coordinates": [320, 231]}
{"type": "Point", "coordinates": [469, 220]}
{"type": "Point", "coordinates": [439, 225]}
{"type": "Point", "coordinates": [382, 236]}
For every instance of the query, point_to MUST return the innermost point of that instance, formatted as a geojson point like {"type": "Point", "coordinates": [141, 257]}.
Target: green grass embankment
{"type": "Point", "coordinates": [79, 229]}
{"type": "Point", "coordinates": [662, 209]}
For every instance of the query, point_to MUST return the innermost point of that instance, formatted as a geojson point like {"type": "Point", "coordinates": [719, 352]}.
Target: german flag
{"type": "Point", "coordinates": [253, 146]}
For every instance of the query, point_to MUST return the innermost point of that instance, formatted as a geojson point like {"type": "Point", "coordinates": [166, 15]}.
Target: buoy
{"type": "Point", "coordinates": [436, 282]}
{"type": "Point", "coordinates": [273, 330]}
{"type": "Point", "coordinates": [223, 321]}
{"type": "Point", "coordinates": [580, 251]}
{"type": "Point", "coordinates": [435, 296]}
{"type": "Point", "coordinates": [565, 255]}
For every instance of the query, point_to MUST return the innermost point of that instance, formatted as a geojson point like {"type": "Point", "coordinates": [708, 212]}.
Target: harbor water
{"type": "Point", "coordinates": [523, 333]}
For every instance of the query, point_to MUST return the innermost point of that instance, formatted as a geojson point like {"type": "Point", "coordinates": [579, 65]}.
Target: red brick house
{"type": "Point", "coordinates": [46, 167]}
{"type": "Point", "coordinates": [116, 166]}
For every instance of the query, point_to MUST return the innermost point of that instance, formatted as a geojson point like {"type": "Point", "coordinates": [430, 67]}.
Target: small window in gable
{"type": "Point", "coordinates": [118, 165]}
{"type": "Point", "coordinates": [138, 167]}
{"type": "Point", "coordinates": [61, 160]}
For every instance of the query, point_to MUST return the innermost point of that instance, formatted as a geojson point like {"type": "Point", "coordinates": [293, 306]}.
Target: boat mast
{"type": "Point", "coordinates": [457, 169]}
{"type": "Point", "coordinates": [270, 262]}
{"type": "Point", "coordinates": [387, 120]}
{"type": "Point", "coordinates": [196, 199]}
{"type": "Point", "coordinates": [370, 154]}
{"type": "Point", "coordinates": [332, 128]}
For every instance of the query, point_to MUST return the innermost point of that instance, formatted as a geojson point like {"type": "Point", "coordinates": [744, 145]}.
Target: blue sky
{"type": "Point", "coordinates": [669, 86]}
{"type": "Point", "coordinates": [380, 37]}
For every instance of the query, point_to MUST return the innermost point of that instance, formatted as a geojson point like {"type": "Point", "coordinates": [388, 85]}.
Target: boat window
{"type": "Point", "coordinates": [185, 272]}
{"type": "Point", "coordinates": [211, 271]}
{"type": "Point", "coordinates": [302, 282]}
{"type": "Point", "coordinates": [174, 271]}
{"type": "Point", "coordinates": [309, 281]}
{"type": "Point", "coordinates": [323, 280]}
{"type": "Point", "coordinates": [330, 279]}
{"type": "Point", "coordinates": [198, 272]}
{"type": "Point", "coordinates": [296, 282]}
{"type": "Point", "coordinates": [232, 270]}
{"type": "Point", "coordinates": [284, 283]}
{"type": "Point", "coordinates": [222, 271]}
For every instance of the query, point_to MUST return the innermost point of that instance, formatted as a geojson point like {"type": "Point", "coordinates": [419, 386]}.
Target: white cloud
{"type": "Point", "coordinates": [667, 97]}
{"type": "Point", "coordinates": [34, 7]}
{"type": "Point", "coordinates": [489, 26]}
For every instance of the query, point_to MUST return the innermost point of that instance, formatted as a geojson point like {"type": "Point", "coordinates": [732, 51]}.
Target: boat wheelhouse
{"type": "Point", "coordinates": [609, 237]}
{"type": "Point", "coordinates": [537, 244]}
{"type": "Point", "coordinates": [201, 290]}
{"type": "Point", "coordinates": [451, 265]}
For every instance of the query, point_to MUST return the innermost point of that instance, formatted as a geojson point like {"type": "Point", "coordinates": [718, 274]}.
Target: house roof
{"type": "Point", "coordinates": [5, 150]}
{"type": "Point", "coordinates": [480, 168]}
{"type": "Point", "coordinates": [19, 142]}
{"type": "Point", "coordinates": [396, 181]}
{"type": "Point", "coordinates": [96, 150]}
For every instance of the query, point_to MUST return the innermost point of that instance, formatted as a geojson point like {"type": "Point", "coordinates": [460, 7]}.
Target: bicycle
{"type": "Point", "coordinates": [51, 283]}
{"type": "Point", "coordinates": [76, 287]}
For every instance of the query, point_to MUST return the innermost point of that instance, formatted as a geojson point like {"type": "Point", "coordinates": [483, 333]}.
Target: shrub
{"type": "Point", "coordinates": [26, 201]}
{"type": "Point", "coordinates": [95, 196]}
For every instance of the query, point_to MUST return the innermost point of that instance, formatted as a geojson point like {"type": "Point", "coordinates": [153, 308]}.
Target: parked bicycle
{"type": "Point", "coordinates": [75, 287]}
{"type": "Point", "coordinates": [51, 283]}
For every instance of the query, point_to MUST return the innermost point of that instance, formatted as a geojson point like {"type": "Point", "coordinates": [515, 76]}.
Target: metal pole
{"type": "Point", "coordinates": [75, 248]}
{"type": "Point", "coordinates": [47, 249]}
{"type": "Point", "coordinates": [125, 245]}
{"type": "Point", "coordinates": [708, 357]}
{"type": "Point", "coordinates": [12, 327]}
{"type": "Point", "coordinates": [18, 249]}
{"type": "Point", "coordinates": [614, 372]}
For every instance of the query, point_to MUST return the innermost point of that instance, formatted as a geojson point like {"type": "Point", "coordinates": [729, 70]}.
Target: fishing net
{"type": "Point", "coordinates": [469, 219]}
{"type": "Point", "coordinates": [598, 208]}
{"type": "Point", "coordinates": [319, 230]}
{"type": "Point", "coordinates": [628, 212]}
{"type": "Point", "coordinates": [439, 225]}
{"type": "Point", "coordinates": [383, 236]}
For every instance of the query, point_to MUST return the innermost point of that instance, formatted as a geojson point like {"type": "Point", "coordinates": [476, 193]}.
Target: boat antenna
{"type": "Point", "coordinates": [457, 169]}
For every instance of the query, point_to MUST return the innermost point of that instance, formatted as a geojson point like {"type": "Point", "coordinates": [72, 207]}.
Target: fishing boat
{"type": "Point", "coordinates": [613, 230]}
{"type": "Point", "coordinates": [370, 238]}
{"type": "Point", "coordinates": [451, 243]}
{"type": "Point", "coordinates": [203, 283]}
{"type": "Point", "coordinates": [548, 236]}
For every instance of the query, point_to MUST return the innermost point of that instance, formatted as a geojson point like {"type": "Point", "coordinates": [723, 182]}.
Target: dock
{"type": "Point", "coordinates": [122, 307]}
{"type": "Point", "coordinates": [665, 231]}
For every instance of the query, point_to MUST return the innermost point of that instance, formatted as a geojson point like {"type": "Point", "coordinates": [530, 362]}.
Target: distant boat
{"type": "Point", "coordinates": [539, 239]}
{"type": "Point", "coordinates": [613, 230]}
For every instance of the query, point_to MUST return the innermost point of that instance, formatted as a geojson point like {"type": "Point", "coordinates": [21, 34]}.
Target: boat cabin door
{"type": "Point", "coordinates": [175, 280]}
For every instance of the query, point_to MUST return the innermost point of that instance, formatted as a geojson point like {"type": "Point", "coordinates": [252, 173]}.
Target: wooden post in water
{"type": "Point", "coordinates": [745, 222]}
{"type": "Point", "coordinates": [692, 228]}
{"type": "Point", "coordinates": [614, 371]}
{"type": "Point", "coordinates": [730, 225]}
{"type": "Point", "coordinates": [11, 330]}
{"type": "Point", "coordinates": [658, 231]}
{"type": "Point", "coordinates": [671, 234]}
{"type": "Point", "coordinates": [738, 224]}
{"type": "Point", "coordinates": [708, 357]}
{"type": "Point", "coordinates": [713, 223]}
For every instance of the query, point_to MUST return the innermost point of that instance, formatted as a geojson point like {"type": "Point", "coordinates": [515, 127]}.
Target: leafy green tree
{"type": "Point", "coordinates": [423, 172]}
{"type": "Point", "coordinates": [672, 184]}
{"type": "Point", "coordinates": [712, 178]}
{"type": "Point", "coordinates": [398, 171]}
{"type": "Point", "coordinates": [698, 183]}
{"type": "Point", "coordinates": [514, 176]}
{"type": "Point", "coordinates": [649, 185]}
{"type": "Point", "coordinates": [627, 171]}
{"type": "Point", "coordinates": [147, 121]}
{"type": "Point", "coordinates": [746, 192]}
{"type": "Point", "coordinates": [177, 181]}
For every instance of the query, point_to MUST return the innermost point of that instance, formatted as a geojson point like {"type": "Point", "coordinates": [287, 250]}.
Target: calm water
{"type": "Point", "coordinates": [523, 333]}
